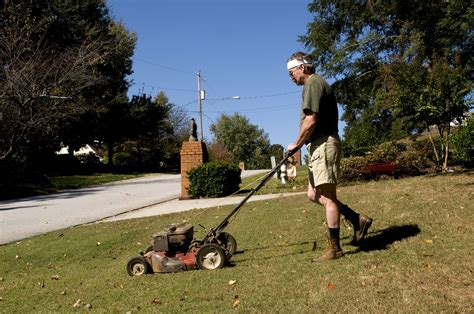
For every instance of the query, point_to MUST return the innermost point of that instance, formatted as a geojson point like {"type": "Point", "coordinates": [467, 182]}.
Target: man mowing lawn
{"type": "Point", "coordinates": [318, 130]}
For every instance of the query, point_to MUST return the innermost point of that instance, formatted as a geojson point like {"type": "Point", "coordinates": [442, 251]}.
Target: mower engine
{"type": "Point", "coordinates": [170, 251]}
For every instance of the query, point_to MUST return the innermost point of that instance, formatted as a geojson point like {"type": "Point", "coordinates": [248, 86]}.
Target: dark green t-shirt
{"type": "Point", "coordinates": [319, 98]}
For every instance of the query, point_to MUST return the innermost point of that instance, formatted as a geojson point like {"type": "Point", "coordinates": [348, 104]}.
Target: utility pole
{"type": "Point", "coordinates": [198, 74]}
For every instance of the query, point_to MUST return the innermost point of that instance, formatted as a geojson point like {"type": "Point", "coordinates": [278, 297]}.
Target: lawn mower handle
{"type": "Point", "coordinates": [220, 227]}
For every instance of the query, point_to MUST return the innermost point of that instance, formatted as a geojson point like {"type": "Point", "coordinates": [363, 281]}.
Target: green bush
{"type": "Point", "coordinates": [385, 152]}
{"type": "Point", "coordinates": [417, 158]}
{"type": "Point", "coordinates": [413, 158]}
{"type": "Point", "coordinates": [463, 144]}
{"type": "Point", "coordinates": [353, 169]}
{"type": "Point", "coordinates": [214, 179]}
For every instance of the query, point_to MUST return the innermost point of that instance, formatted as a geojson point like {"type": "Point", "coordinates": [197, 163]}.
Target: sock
{"type": "Point", "coordinates": [351, 215]}
{"type": "Point", "coordinates": [333, 233]}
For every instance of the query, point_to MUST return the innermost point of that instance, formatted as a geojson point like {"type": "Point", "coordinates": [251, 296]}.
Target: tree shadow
{"type": "Point", "coordinates": [381, 239]}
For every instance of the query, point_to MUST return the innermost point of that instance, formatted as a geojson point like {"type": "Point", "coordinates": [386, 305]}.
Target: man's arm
{"type": "Point", "coordinates": [306, 129]}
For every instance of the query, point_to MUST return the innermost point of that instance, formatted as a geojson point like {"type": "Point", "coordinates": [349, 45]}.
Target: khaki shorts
{"type": "Point", "coordinates": [325, 157]}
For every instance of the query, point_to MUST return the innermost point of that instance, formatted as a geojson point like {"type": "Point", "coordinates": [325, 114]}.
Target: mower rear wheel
{"type": "Point", "coordinates": [137, 266]}
{"type": "Point", "coordinates": [210, 256]}
{"type": "Point", "coordinates": [228, 243]}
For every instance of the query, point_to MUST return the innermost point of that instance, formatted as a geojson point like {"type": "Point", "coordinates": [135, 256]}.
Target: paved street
{"type": "Point", "coordinates": [22, 218]}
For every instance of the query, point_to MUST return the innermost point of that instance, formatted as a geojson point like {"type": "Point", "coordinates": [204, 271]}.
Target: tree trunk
{"type": "Point", "coordinates": [434, 146]}
{"type": "Point", "coordinates": [446, 149]}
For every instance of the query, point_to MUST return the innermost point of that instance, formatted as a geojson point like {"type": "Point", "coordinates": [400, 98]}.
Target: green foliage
{"type": "Point", "coordinates": [65, 61]}
{"type": "Point", "coordinates": [363, 44]}
{"type": "Point", "coordinates": [411, 158]}
{"type": "Point", "coordinates": [141, 130]}
{"type": "Point", "coordinates": [385, 152]}
{"type": "Point", "coordinates": [463, 142]}
{"type": "Point", "coordinates": [214, 179]}
{"type": "Point", "coordinates": [243, 140]}
{"type": "Point", "coordinates": [353, 169]}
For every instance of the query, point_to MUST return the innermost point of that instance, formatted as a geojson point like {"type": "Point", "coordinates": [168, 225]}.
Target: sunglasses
{"type": "Point", "coordinates": [290, 71]}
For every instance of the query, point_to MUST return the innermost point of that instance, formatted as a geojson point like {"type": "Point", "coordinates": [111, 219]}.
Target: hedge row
{"type": "Point", "coordinates": [412, 158]}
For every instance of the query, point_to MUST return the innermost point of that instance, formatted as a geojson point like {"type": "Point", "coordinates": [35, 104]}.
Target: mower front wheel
{"type": "Point", "coordinates": [228, 243]}
{"type": "Point", "coordinates": [137, 266]}
{"type": "Point", "coordinates": [210, 256]}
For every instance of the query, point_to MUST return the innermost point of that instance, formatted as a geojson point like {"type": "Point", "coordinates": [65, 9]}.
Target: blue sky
{"type": "Point", "coordinates": [240, 47]}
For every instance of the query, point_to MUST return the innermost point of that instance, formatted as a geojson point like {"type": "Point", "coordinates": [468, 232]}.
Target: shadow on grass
{"type": "Point", "coordinates": [381, 239]}
{"type": "Point", "coordinates": [310, 246]}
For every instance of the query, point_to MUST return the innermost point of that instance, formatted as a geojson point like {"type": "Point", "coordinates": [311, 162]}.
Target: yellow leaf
{"type": "Point", "coordinates": [77, 304]}
{"type": "Point", "coordinates": [429, 241]}
{"type": "Point", "coordinates": [236, 302]}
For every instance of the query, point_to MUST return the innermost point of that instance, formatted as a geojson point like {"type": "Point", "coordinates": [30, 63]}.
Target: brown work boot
{"type": "Point", "coordinates": [361, 230]}
{"type": "Point", "coordinates": [333, 250]}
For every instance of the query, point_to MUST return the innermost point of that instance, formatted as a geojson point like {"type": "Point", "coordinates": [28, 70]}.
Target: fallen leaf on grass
{"type": "Point", "coordinates": [330, 286]}
{"type": "Point", "coordinates": [156, 301]}
{"type": "Point", "coordinates": [77, 304]}
{"type": "Point", "coordinates": [55, 277]}
{"type": "Point", "coordinates": [429, 241]}
{"type": "Point", "coordinates": [232, 282]}
{"type": "Point", "coordinates": [41, 284]}
{"type": "Point", "coordinates": [17, 257]}
{"type": "Point", "coordinates": [88, 306]}
{"type": "Point", "coordinates": [236, 302]}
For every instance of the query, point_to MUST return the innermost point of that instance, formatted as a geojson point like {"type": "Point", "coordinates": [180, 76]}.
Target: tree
{"type": "Point", "coordinates": [144, 133]}
{"type": "Point", "coordinates": [276, 150]}
{"type": "Point", "coordinates": [355, 42]}
{"type": "Point", "coordinates": [430, 96]}
{"type": "Point", "coordinates": [40, 87]}
{"type": "Point", "coordinates": [61, 60]}
{"type": "Point", "coordinates": [243, 140]}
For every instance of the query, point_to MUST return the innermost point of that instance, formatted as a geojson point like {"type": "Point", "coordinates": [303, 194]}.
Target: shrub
{"type": "Point", "coordinates": [353, 169]}
{"type": "Point", "coordinates": [385, 152]}
{"type": "Point", "coordinates": [214, 179]}
{"type": "Point", "coordinates": [418, 158]}
{"type": "Point", "coordinates": [412, 158]}
{"type": "Point", "coordinates": [463, 144]}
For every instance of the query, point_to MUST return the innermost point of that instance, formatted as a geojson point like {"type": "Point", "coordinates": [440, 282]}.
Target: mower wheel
{"type": "Point", "coordinates": [137, 266]}
{"type": "Point", "coordinates": [210, 256]}
{"type": "Point", "coordinates": [228, 243]}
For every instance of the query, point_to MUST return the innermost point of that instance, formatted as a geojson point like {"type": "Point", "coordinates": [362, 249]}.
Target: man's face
{"type": "Point", "coordinates": [296, 74]}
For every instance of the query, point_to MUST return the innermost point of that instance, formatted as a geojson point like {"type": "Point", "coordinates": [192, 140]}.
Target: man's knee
{"type": "Point", "coordinates": [312, 194]}
{"type": "Point", "coordinates": [327, 194]}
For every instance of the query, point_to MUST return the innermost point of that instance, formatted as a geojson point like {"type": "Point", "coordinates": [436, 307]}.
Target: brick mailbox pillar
{"type": "Point", "coordinates": [193, 153]}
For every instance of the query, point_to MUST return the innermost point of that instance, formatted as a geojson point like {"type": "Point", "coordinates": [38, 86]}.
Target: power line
{"type": "Point", "coordinates": [273, 95]}
{"type": "Point", "coordinates": [164, 88]}
{"type": "Point", "coordinates": [163, 66]}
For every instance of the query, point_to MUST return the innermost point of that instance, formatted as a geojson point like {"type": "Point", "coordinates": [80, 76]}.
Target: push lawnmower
{"type": "Point", "coordinates": [174, 248]}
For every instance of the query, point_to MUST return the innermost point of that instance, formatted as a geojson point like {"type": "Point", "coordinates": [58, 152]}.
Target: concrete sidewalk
{"type": "Point", "coordinates": [176, 205]}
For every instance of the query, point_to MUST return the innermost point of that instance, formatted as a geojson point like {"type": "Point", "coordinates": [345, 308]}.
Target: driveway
{"type": "Point", "coordinates": [22, 218]}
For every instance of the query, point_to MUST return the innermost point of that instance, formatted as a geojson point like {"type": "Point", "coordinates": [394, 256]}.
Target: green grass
{"type": "Point", "coordinates": [418, 257]}
{"type": "Point", "coordinates": [274, 185]}
{"type": "Point", "coordinates": [79, 181]}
